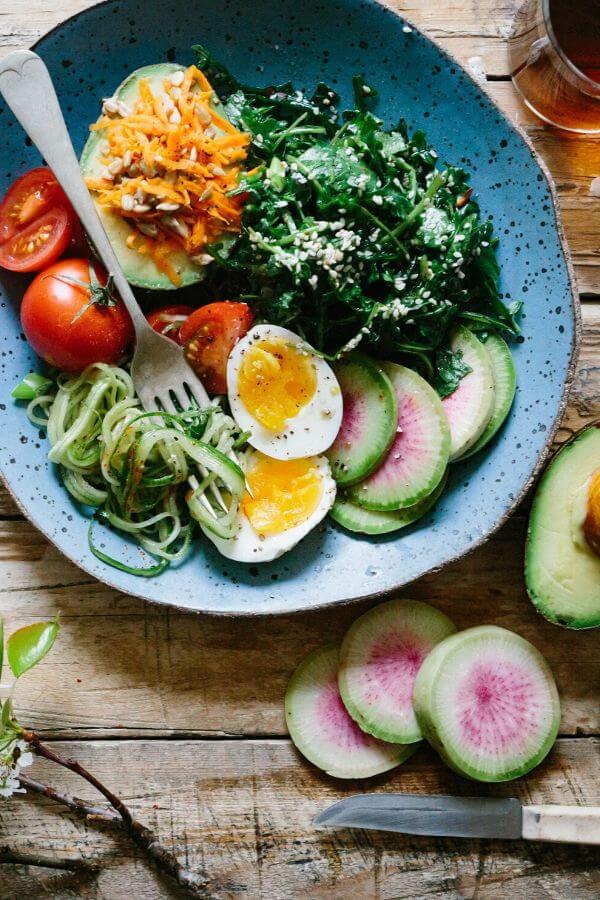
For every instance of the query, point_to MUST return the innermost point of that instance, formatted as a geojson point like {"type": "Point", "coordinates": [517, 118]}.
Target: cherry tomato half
{"type": "Point", "coordinates": [168, 320]}
{"type": "Point", "coordinates": [209, 335]}
{"type": "Point", "coordinates": [36, 222]}
{"type": "Point", "coordinates": [70, 322]}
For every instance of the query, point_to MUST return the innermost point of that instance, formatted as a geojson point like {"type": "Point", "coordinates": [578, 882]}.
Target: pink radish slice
{"type": "Point", "coordinates": [469, 408]}
{"type": "Point", "coordinates": [417, 459]}
{"type": "Point", "coordinates": [486, 699]}
{"type": "Point", "coordinates": [379, 660]}
{"type": "Point", "coordinates": [369, 419]}
{"type": "Point", "coordinates": [323, 731]}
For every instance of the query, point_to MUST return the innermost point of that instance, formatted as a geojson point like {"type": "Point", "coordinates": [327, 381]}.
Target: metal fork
{"type": "Point", "coordinates": [159, 370]}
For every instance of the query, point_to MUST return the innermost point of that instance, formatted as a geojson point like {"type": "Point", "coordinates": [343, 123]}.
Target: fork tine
{"type": "Point", "coordinates": [167, 404]}
{"type": "Point", "coordinates": [196, 389]}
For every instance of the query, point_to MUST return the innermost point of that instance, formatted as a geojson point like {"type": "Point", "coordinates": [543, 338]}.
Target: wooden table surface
{"type": "Point", "coordinates": [182, 714]}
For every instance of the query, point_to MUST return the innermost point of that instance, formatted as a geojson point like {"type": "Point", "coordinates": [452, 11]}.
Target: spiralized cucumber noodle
{"type": "Point", "coordinates": [151, 475]}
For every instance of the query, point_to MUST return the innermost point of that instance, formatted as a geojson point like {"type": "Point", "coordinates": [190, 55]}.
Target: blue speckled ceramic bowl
{"type": "Point", "coordinates": [270, 41]}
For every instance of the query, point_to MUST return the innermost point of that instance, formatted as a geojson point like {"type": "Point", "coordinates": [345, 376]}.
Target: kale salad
{"type": "Point", "coordinates": [354, 233]}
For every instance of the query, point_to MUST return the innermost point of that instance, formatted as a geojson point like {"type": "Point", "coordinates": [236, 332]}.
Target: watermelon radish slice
{"type": "Point", "coordinates": [323, 731]}
{"type": "Point", "coordinates": [369, 422]}
{"type": "Point", "coordinates": [369, 521]}
{"type": "Point", "coordinates": [379, 660]}
{"type": "Point", "coordinates": [416, 461]}
{"type": "Point", "coordinates": [486, 700]}
{"type": "Point", "coordinates": [469, 408]}
{"type": "Point", "coordinates": [505, 385]}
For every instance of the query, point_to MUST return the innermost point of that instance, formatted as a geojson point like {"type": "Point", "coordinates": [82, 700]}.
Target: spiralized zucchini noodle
{"type": "Point", "coordinates": [151, 475]}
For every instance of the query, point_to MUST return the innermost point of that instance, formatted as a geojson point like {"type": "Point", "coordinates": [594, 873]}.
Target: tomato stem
{"type": "Point", "coordinates": [100, 295]}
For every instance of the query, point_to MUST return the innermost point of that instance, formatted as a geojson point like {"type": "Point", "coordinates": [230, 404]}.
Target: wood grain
{"type": "Point", "coordinates": [125, 667]}
{"type": "Point", "coordinates": [240, 809]}
{"type": "Point", "coordinates": [241, 806]}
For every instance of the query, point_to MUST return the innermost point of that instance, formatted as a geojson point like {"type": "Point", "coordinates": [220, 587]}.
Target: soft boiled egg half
{"type": "Point", "coordinates": [283, 502]}
{"type": "Point", "coordinates": [283, 394]}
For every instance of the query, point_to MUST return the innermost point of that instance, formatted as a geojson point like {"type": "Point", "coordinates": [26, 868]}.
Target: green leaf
{"type": "Point", "coordinates": [1, 645]}
{"type": "Point", "coordinates": [451, 368]}
{"type": "Point", "coordinates": [276, 174]}
{"type": "Point", "coordinates": [27, 646]}
{"type": "Point", "coordinates": [31, 387]}
{"type": "Point", "coordinates": [7, 714]}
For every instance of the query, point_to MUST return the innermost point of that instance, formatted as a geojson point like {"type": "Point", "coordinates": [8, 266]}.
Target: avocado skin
{"type": "Point", "coordinates": [551, 556]}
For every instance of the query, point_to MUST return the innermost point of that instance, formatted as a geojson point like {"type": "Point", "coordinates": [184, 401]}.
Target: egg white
{"type": "Point", "coordinates": [250, 547]}
{"type": "Point", "coordinates": [316, 426]}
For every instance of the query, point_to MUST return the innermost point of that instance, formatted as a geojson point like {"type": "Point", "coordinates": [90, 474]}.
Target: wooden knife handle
{"type": "Point", "coordinates": [570, 824]}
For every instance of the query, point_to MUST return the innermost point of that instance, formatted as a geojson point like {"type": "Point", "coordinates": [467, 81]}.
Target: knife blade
{"type": "Point", "coordinates": [485, 817]}
{"type": "Point", "coordinates": [439, 815]}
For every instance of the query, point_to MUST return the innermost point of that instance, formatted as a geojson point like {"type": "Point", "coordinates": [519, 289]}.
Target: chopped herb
{"type": "Point", "coordinates": [450, 369]}
{"type": "Point", "coordinates": [32, 386]}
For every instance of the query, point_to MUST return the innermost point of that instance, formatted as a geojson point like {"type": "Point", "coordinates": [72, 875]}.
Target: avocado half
{"type": "Point", "coordinates": [139, 270]}
{"type": "Point", "coordinates": [562, 572]}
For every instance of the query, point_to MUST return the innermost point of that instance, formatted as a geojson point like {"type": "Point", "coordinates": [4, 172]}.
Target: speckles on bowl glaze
{"type": "Point", "coordinates": [329, 40]}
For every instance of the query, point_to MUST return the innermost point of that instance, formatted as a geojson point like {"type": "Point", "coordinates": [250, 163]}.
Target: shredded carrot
{"type": "Point", "coordinates": [169, 146]}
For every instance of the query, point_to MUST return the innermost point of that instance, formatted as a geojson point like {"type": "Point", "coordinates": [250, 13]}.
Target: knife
{"type": "Point", "coordinates": [483, 817]}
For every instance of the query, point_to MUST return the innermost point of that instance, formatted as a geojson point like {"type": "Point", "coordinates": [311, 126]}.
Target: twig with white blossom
{"type": "Point", "coordinates": [25, 648]}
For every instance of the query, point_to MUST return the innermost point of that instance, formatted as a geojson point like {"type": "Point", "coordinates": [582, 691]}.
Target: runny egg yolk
{"type": "Point", "coordinates": [276, 380]}
{"type": "Point", "coordinates": [283, 493]}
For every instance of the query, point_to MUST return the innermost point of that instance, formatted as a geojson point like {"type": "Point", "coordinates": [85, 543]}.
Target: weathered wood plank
{"type": "Point", "coordinates": [125, 667]}
{"type": "Point", "coordinates": [243, 810]}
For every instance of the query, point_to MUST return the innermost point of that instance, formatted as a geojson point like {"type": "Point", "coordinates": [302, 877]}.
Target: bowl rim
{"type": "Point", "coordinates": [377, 596]}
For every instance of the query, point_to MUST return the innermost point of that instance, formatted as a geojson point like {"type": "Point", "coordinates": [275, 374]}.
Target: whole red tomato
{"type": "Point", "coordinates": [71, 317]}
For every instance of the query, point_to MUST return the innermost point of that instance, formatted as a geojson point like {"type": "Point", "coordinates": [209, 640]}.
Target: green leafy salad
{"type": "Point", "coordinates": [353, 233]}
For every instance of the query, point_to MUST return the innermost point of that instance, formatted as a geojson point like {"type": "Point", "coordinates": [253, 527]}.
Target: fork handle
{"type": "Point", "coordinates": [27, 87]}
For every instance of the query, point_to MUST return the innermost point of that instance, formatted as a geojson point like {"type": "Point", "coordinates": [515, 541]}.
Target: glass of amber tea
{"type": "Point", "coordinates": [555, 61]}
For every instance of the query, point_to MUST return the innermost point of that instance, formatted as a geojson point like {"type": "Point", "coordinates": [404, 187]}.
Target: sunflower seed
{"type": "Point", "coordinates": [127, 203]}
{"type": "Point", "coordinates": [139, 196]}
{"type": "Point", "coordinates": [177, 226]}
{"type": "Point", "coordinates": [110, 106]}
{"type": "Point", "coordinates": [206, 193]}
{"type": "Point", "coordinates": [127, 159]}
{"type": "Point", "coordinates": [105, 148]}
{"type": "Point", "coordinates": [193, 154]}
{"type": "Point", "coordinates": [134, 170]}
{"type": "Point", "coordinates": [175, 93]}
{"type": "Point", "coordinates": [203, 115]}
{"type": "Point", "coordinates": [147, 228]}
{"type": "Point", "coordinates": [175, 117]}
{"type": "Point", "coordinates": [217, 170]}
{"type": "Point", "coordinates": [202, 259]}
{"type": "Point", "coordinates": [142, 208]}
{"type": "Point", "coordinates": [177, 78]}
{"type": "Point", "coordinates": [116, 166]}
{"type": "Point", "coordinates": [123, 109]}
{"type": "Point", "coordinates": [106, 174]}
{"type": "Point", "coordinates": [210, 132]}
{"type": "Point", "coordinates": [149, 171]}
{"type": "Point", "coordinates": [168, 207]}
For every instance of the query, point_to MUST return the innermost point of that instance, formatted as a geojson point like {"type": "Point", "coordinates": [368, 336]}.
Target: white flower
{"type": "Point", "coordinates": [14, 756]}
